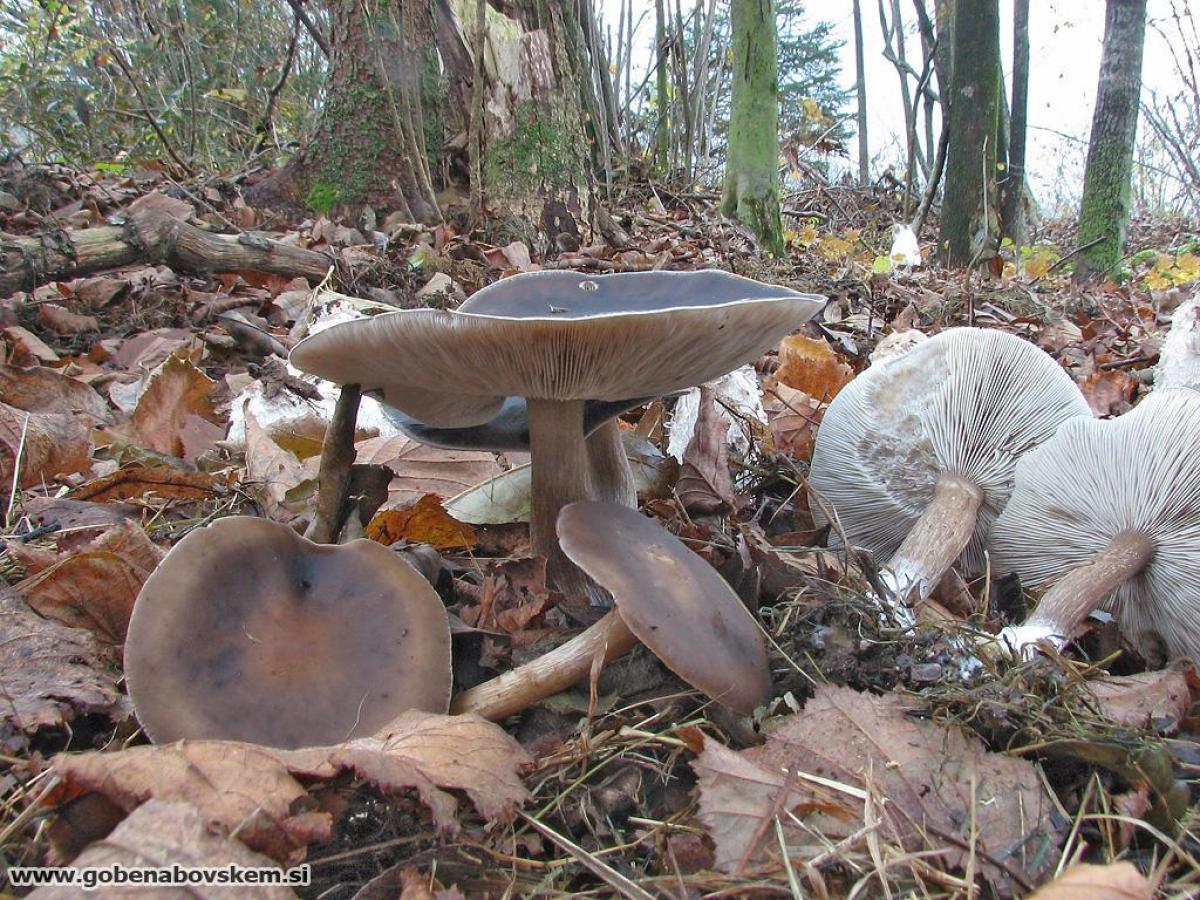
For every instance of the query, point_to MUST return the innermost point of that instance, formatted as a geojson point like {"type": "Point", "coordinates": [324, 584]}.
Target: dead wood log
{"type": "Point", "coordinates": [156, 232]}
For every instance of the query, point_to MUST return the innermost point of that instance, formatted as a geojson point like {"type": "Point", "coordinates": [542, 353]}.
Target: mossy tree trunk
{"type": "Point", "coordinates": [1104, 211]}
{"type": "Point", "coordinates": [1013, 181]}
{"type": "Point", "coordinates": [970, 219]}
{"type": "Point", "coordinates": [751, 166]}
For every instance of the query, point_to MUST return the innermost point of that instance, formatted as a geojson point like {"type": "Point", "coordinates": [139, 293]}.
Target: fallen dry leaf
{"type": "Point", "coordinates": [420, 469]}
{"type": "Point", "coordinates": [28, 348]}
{"type": "Point", "coordinates": [1118, 881]}
{"type": "Point", "coordinates": [162, 834]}
{"type": "Point", "coordinates": [793, 417]}
{"type": "Point", "coordinates": [48, 444]}
{"type": "Point", "coordinates": [50, 673]}
{"type": "Point", "coordinates": [283, 482]}
{"type": "Point", "coordinates": [812, 366]}
{"type": "Point", "coordinates": [928, 784]}
{"type": "Point", "coordinates": [61, 320]}
{"type": "Point", "coordinates": [40, 389]}
{"type": "Point", "coordinates": [172, 412]}
{"type": "Point", "coordinates": [424, 522]}
{"type": "Point", "coordinates": [138, 481]}
{"type": "Point", "coordinates": [95, 588]}
{"type": "Point", "coordinates": [705, 484]}
{"type": "Point", "coordinates": [253, 791]}
{"type": "Point", "coordinates": [1159, 699]}
{"type": "Point", "coordinates": [1109, 392]}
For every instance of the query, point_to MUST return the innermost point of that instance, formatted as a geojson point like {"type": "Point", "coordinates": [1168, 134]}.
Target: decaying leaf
{"type": "Point", "coordinates": [420, 469]}
{"type": "Point", "coordinates": [138, 481]}
{"type": "Point", "coordinates": [253, 791]}
{"type": "Point", "coordinates": [1118, 881]}
{"type": "Point", "coordinates": [811, 366]}
{"type": "Point", "coordinates": [163, 834]}
{"type": "Point", "coordinates": [1109, 392]}
{"type": "Point", "coordinates": [499, 500]}
{"type": "Point", "coordinates": [48, 444]}
{"type": "Point", "coordinates": [95, 588]}
{"type": "Point", "coordinates": [793, 417]}
{"type": "Point", "coordinates": [930, 785]}
{"type": "Point", "coordinates": [1148, 699]}
{"type": "Point", "coordinates": [50, 673]}
{"type": "Point", "coordinates": [40, 389]}
{"type": "Point", "coordinates": [174, 409]}
{"type": "Point", "coordinates": [283, 482]}
{"type": "Point", "coordinates": [424, 522]}
{"type": "Point", "coordinates": [705, 484]}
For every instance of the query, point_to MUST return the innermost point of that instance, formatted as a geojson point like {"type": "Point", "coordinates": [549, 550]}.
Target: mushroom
{"type": "Point", "coordinates": [558, 339]}
{"type": "Point", "coordinates": [666, 596]}
{"type": "Point", "coordinates": [247, 631]}
{"type": "Point", "coordinates": [609, 471]}
{"type": "Point", "coordinates": [914, 458]}
{"type": "Point", "coordinates": [1108, 513]}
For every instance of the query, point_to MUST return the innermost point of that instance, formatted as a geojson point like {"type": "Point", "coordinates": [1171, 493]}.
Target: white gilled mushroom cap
{"type": "Point", "coordinates": [948, 418]}
{"type": "Point", "coordinates": [1114, 507]}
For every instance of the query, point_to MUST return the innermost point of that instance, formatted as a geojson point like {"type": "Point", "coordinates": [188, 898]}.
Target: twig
{"type": "Point", "coordinates": [1092, 243]}
{"type": "Point", "coordinates": [337, 456]}
{"type": "Point", "coordinates": [119, 57]}
{"type": "Point", "coordinates": [310, 26]}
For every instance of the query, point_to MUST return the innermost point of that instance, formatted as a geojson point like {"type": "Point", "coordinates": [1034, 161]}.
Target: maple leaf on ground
{"type": "Point", "coordinates": [162, 834]}
{"type": "Point", "coordinates": [50, 673]}
{"type": "Point", "coordinates": [420, 469]}
{"type": "Point", "coordinates": [253, 791]}
{"type": "Point", "coordinates": [705, 484]}
{"type": "Point", "coordinates": [848, 756]}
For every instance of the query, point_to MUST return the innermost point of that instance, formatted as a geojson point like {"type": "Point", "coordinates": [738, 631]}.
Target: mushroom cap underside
{"type": "Point", "coordinates": [672, 600]}
{"type": "Point", "coordinates": [1096, 479]}
{"type": "Point", "coordinates": [615, 343]}
{"type": "Point", "coordinates": [247, 631]}
{"type": "Point", "coordinates": [968, 401]}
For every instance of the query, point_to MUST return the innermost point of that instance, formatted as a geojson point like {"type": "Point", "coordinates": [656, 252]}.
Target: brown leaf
{"type": "Point", "coordinates": [427, 751]}
{"type": "Point", "coordinates": [49, 445]}
{"type": "Point", "coordinates": [40, 389]}
{"type": "Point", "coordinates": [1158, 699]}
{"type": "Point", "coordinates": [1117, 881]}
{"type": "Point", "coordinates": [424, 522]}
{"type": "Point", "coordinates": [176, 393]}
{"type": "Point", "coordinates": [138, 481]}
{"type": "Point", "coordinates": [95, 589]}
{"type": "Point", "coordinates": [793, 417]}
{"type": "Point", "coordinates": [164, 834]}
{"type": "Point", "coordinates": [1109, 392]}
{"type": "Point", "coordinates": [928, 783]}
{"type": "Point", "coordinates": [61, 320]}
{"type": "Point", "coordinates": [49, 672]}
{"type": "Point", "coordinates": [99, 292]}
{"type": "Point", "coordinates": [283, 482]}
{"type": "Point", "coordinates": [812, 366]}
{"type": "Point", "coordinates": [422, 470]}
{"type": "Point", "coordinates": [28, 348]}
{"type": "Point", "coordinates": [705, 484]}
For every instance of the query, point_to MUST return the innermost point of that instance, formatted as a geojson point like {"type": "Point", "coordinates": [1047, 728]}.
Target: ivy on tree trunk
{"type": "Point", "coordinates": [970, 220]}
{"type": "Point", "coordinates": [1104, 211]}
{"type": "Point", "coordinates": [751, 169]}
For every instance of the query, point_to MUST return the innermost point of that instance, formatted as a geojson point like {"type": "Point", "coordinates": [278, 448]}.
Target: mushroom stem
{"type": "Point", "coordinates": [612, 479]}
{"type": "Point", "coordinates": [935, 542]}
{"type": "Point", "coordinates": [1069, 602]}
{"type": "Point", "coordinates": [337, 458]}
{"type": "Point", "coordinates": [559, 467]}
{"type": "Point", "coordinates": [520, 688]}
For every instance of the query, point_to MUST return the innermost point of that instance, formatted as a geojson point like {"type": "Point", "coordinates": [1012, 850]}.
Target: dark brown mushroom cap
{"type": "Point", "coordinates": [673, 600]}
{"type": "Point", "coordinates": [968, 402]}
{"type": "Point", "coordinates": [1097, 479]}
{"type": "Point", "coordinates": [508, 431]}
{"type": "Point", "coordinates": [247, 631]}
{"type": "Point", "coordinates": [558, 335]}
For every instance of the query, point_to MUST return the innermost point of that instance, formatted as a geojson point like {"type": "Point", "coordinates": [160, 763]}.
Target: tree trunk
{"type": "Point", "coordinates": [1104, 211]}
{"type": "Point", "coordinates": [860, 78]}
{"type": "Point", "coordinates": [662, 133]}
{"type": "Point", "coordinates": [1014, 176]}
{"type": "Point", "coordinates": [970, 220]}
{"type": "Point", "coordinates": [751, 172]}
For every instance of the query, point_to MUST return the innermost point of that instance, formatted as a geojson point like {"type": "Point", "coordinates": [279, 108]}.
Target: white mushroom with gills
{"type": "Point", "coordinates": [1107, 512]}
{"type": "Point", "coordinates": [247, 631]}
{"type": "Point", "coordinates": [666, 596]}
{"type": "Point", "coordinates": [558, 339]}
{"type": "Point", "coordinates": [914, 458]}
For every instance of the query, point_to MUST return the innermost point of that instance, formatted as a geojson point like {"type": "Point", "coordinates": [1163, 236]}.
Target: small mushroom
{"type": "Point", "coordinates": [914, 458]}
{"type": "Point", "coordinates": [558, 339]}
{"type": "Point", "coordinates": [247, 631]}
{"type": "Point", "coordinates": [666, 596]}
{"type": "Point", "coordinates": [609, 472]}
{"type": "Point", "coordinates": [1108, 513]}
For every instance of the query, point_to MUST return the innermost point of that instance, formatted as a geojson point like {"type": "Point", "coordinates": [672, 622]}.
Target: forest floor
{"type": "Point", "coordinates": [124, 424]}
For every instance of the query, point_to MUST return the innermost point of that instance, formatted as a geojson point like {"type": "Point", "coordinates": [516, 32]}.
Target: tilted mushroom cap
{"type": "Point", "coordinates": [967, 402]}
{"type": "Point", "coordinates": [247, 631]}
{"type": "Point", "coordinates": [558, 335]}
{"type": "Point", "coordinates": [508, 431]}
{"type": "Point", "coordinates": [674, 601]}
{"type": "Point", "coordinates": [1097, 482]}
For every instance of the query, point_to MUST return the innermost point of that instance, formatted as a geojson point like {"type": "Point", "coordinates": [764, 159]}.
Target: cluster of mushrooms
{"type": "Point", "coordinates": [971, 446]}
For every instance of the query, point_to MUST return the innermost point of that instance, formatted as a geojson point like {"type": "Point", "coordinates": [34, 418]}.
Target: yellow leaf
{"type": "Point", "coordinates": [426, 522]}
